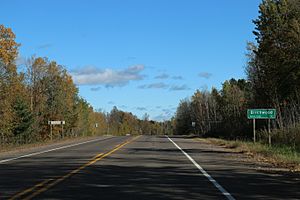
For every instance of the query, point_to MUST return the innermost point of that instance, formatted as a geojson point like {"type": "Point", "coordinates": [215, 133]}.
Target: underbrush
{"type": "Point", "coordinates": [283, 155]}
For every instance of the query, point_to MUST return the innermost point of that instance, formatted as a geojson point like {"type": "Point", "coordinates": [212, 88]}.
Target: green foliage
{"type": "Point", "coordinates": [274, 62]}
{"type": "Point", "coordinates": [278, 38]}
{"type": "Point", "coordinates": [23, 118]}
{"type": "Point", "coordinates": [216, 112]}
{"type": "Point", "coordinates": [183, 121]}
{"type": "Point", "coordinates": [122, 123]}
{"type": "Point", "coordinates": [46, 92]}
{"type": "Point", "coordinates": [273, 81]}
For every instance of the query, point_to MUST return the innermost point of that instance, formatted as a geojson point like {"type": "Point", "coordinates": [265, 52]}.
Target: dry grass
{"type": "Point", "coordinates": [281, 156]}
{"type": "Point", "coordinates": [18, 148]}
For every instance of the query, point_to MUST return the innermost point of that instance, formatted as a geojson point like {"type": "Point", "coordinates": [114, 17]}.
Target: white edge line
{"type": "Point", "coordinates": [211, 179]}
{"type": "Point", "coordinates": [49, 150]}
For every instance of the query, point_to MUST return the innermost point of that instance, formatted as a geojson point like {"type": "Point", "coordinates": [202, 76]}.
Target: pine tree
{"type": "Point", "coordinates": [23, 118]}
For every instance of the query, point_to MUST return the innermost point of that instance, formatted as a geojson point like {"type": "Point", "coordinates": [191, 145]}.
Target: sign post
{"type": "Point", "coordinates": [269, 131]}
{"type": "Point", "coordinates": [261, 114]}
{"type": "Point", "coordinates": [51, 123]}
{"type": "Point", "coordinates": [50, 132]}
{"type": "Point", "coordinates": [194, 125]}
{"type": "Point", "coordinates": [254, 134]}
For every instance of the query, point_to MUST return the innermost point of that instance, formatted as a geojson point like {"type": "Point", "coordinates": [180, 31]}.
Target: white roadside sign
{"type": "Point", "coordinates": [56, 122]}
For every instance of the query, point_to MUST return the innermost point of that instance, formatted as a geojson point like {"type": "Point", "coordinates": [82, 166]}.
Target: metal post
{"type": "Point", "coordinates": [51, 132]}
{"type": "Point", "coordinates": [62, 130]}
{"type": "Point", "coordinates": [254, 137]}
{"type": "Point", "coordinates": [269, 131]}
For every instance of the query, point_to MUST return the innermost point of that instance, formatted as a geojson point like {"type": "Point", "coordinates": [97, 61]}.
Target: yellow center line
{"type": "Point", "coordinates": [96, 156]}
{"type": "Point", "coordinates": [30, 189]}
{"type": "Point", "coordinates": [47, 184]}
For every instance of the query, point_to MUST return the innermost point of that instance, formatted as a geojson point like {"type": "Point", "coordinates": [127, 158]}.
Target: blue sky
{"type": "Point", "coordinates": [142, 56]}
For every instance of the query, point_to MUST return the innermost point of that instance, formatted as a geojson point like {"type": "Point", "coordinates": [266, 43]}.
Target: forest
{"type": "Point", "coordinates": [272, 81]}
{"type": "Point", "coordinates": [44, 91]}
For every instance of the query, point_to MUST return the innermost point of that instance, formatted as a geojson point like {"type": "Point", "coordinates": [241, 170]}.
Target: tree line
{"type": "Point", "coordinates": [43, 91]}
{"type": "Point", "coordinates": [273, 81]}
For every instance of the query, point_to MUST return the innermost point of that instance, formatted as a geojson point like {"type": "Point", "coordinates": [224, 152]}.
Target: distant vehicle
{"type": "Point", "coordinates": [128, 134]}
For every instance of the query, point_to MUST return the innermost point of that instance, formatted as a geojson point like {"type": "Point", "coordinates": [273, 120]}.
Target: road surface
{"type": "Point", "coordinates": [143, 167]}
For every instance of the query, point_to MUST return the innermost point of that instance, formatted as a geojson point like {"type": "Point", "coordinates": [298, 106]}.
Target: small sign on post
{"type": "Point", "coordinates": [261, 114]}
{"type": "Point", "coordinates": [56, 123]}
{"type": "Point", "coordinates": [193, 124]}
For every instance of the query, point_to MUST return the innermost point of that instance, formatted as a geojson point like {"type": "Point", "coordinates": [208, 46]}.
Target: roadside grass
{"type": "Point", "coordinates": [10, 148]}
{"type": "Point", "coordinates": [278, 155]}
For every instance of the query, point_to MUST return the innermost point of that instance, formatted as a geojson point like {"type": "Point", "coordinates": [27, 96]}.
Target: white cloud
{"type": "Point", "coordinates": [179, 87]}
{"type": "Point", "coordinates": [123, 107]}
{"type": "Point", "coordinates": [131, 58]}
{"type": "Point", "coordinates": [21, 60]}
{"type": "Point", "coordinates": [166, 114]}
{"type": "Point", "coordinates": [161, 85]}
{"type": "Point", "coordinates": [95, 89]}
{"type": "Point", "coordinates": [44, 46]}
{"type": "Point", "coordinates": [162, 76]}
{"type": "Point", "coordinates": [141, 108]}
{"type": "Point", "coordinates": [108, 77]}
{"type": "Point", "coordinates": [154, 86]}
{"type": "Point", "coordinates": [205, 75]}
{"type": "Point", "coordinates": [177, 77]}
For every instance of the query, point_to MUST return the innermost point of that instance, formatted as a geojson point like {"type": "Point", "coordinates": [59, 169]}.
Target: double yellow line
{"type": "Point", "coordinates": [47, 184]}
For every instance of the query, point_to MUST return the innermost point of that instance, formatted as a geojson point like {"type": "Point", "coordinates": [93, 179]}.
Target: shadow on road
{"type": "Point", "coordinates": [151, 170]}
{"type": "Point", "coordinates": [167, 178]}
{"type": "Point", "coordinates": [136, 182]}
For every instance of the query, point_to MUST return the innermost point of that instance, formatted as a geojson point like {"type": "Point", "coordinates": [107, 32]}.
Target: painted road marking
{"type": "Point", "coordinates": [97, 156]}
{"type": "Point", "coordinates": [46, 185]}
{"type": "Point", "coordinates": [49, 150]}
{"type": "Point", "coordinates": [211, 179]}
{"type": "Point", "coordinates": [30, 189]}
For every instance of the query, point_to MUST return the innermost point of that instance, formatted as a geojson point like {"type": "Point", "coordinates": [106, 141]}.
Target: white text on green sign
{"type": "Point", "coordinates": [261, 113]}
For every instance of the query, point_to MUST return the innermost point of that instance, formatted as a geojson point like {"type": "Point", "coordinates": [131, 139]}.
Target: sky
{"type": "Point", "coordinates": [142, 56]}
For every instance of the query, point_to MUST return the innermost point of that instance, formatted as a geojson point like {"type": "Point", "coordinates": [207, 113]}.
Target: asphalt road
{"type": "Point", "coordinates": [145, 167]}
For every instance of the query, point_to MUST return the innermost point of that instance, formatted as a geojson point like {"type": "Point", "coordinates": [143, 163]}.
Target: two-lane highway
{"type": "Point", "coordinates": [20, 173]}
{"type": "Point", "coordinates": [145, 167]}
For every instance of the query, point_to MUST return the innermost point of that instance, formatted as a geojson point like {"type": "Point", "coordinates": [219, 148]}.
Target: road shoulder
{"type": "Point", "coordinates": [259, 161]}
{"type": "Point", "coordinates": [48, 145]}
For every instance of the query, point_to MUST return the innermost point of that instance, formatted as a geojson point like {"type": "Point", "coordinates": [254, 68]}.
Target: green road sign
{"type": "Point", "coordinates": [261, 113]}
